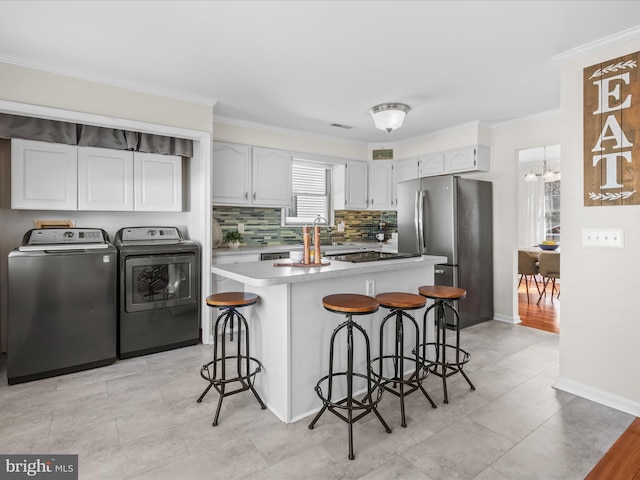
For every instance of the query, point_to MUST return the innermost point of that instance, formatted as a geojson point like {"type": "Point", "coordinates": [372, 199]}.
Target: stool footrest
{"type": "Point", "coordinates": [414, 375]}
{"type": "Point", "coordinates": [257, 367]}
{"type": "Point", "coordinates": [364, 404]}
{"type": "Point", "coordinates": [463, 353]}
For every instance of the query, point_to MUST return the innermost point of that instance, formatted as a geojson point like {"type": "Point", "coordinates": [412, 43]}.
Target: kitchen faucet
{"type": "Point", "coordinates": [321, 220]}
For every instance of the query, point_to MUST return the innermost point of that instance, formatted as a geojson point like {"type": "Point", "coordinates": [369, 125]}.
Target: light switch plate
{"type": "Point", "coordinates": [241, 227]}
{"type": "Point", "coordinates": [603, 237]}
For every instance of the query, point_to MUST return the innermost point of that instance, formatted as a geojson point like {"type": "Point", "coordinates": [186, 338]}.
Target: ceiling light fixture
{"type": "Point", "coordinates": [548, 174]}
{"type": "Point", "coordinates": [389, 116]}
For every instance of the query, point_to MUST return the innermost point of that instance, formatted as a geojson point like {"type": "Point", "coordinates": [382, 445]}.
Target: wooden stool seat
{"type": "Point", "coordinates": [404, 301]}
{"type": "Point", "coordinates": [442, 292]}
{"type": "Point", "coordinates": [232, 299]}
{"type": "Point", "coordinates": [351, 303]}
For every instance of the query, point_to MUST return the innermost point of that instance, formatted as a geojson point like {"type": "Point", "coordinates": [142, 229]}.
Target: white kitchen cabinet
{"type": "Point", "coordinates": [231, 174]}
{"type": "Point", "coordinates": [407, 169]}
{"type": "Point", "coordinates": [157, 182]}
{"type": "Point", "coordinates": [44, 176]}
{"type": "Point", "coordinates": [356, 185]}
{"type": "Point", "coordinates": [245, 175]}
{"type": "Point", "coordinates": [467, 159]}
{"type": "Point", "coordinates": [53, 176]}
{"type": "Point", "coordinates": [432, 164]}
{"type": "Point", "coordinates": [381, 185]}
{"type": "Point", "coordinates": [367, 185]}
{"type": "Point", "coordinates": [461, 160]}
{"type": "Point", "coordinates": [105, 179]}
{"type": "Point", "coordinates": [271, 179]}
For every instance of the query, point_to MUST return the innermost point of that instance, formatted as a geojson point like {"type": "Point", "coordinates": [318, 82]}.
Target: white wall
{"type": "Point", "coordinates": [600, 325]}
{"type": "Point", "coordinates": [292, 141]}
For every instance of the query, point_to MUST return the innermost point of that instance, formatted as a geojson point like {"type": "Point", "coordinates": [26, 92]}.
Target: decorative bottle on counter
{"type": "Point", "coordinates": [317, 254]}
{"type": "Point", "coordinates": [306, 258]}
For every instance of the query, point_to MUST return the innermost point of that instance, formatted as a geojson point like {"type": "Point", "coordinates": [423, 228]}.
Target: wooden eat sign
{"type": "Point", "coordinates": [612, 132]}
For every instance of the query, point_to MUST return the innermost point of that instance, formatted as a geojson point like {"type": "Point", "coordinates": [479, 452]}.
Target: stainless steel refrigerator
{"type": "Point", "coordinates": [452, 216]}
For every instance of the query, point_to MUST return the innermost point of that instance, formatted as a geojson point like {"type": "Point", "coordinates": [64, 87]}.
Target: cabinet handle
{"type": "Point", "coordinates": [372, 201]}
{"type": "Point", "coordinates": [254, 195]}
{"type": "Point", "coordinates": [246, 195]}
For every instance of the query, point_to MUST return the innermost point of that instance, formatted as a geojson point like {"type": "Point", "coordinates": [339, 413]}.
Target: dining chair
{"type": "Point", "coordinates": [549, 266]}
{"type": "Point", "coordinates": [527, 268]}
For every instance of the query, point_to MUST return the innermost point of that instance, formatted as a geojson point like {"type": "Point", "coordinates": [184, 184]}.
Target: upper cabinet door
{"type": "Point", "coordinates": [381, 185]}
{"type": "Point", "coordinates": [231, 174]}
{"type": "Point", "coordinates": [43, 175]}
{"type": "Point", "coordinates": [356, 181]}
{"type": "Point", "coordinates": [158, 182]}
{"type": "Point", "coordinates": [271, 177]}
{"type": "Point", "coordinates": [406, 170]}
{"type": "Point", "coordinates": [467, 159]}
{"type": "Point", "coordinates": [105, 179]}
{"type": "Point", "coordinates": [431, 164]}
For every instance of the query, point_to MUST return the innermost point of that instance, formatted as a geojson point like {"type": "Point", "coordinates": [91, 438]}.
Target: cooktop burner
{"type": "Point", "coordinates": [359, 257]}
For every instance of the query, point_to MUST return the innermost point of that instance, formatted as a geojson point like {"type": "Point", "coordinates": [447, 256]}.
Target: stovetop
{"type": "Point", "coordinates": [360, 257]}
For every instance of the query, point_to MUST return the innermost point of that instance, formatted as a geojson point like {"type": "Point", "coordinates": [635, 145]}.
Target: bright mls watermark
{"type": "Point", "coordinates": [50, 467]}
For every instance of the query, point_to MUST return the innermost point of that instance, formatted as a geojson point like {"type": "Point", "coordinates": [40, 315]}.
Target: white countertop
{"type": "Point", "coordinates": [262, 274]}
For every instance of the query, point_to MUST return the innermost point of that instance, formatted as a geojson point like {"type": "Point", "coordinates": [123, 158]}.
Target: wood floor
{"type": "Point", "coordinates": [622, 461]}
{"type": "Point", "coordinates": [546, 315]}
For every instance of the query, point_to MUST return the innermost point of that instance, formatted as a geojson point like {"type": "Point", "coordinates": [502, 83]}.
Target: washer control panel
{"type": "Point", "coordinates": [151, 234]}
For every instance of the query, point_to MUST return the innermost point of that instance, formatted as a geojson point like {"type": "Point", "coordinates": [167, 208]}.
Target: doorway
{"type": "Point", "coordinates": [539, 221]}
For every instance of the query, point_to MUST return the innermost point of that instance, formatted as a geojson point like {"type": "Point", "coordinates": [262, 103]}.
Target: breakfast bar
{"type": "Point", "coordinates": [290, 329]}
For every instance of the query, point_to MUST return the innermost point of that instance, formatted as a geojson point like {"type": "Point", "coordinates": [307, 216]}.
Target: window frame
{"type": "Point", "coordinates": [302, 160]}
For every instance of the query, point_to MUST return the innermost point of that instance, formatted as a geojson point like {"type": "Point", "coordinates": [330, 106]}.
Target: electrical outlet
{"type": "Point", "coordinates": [341, 227]}
{"type": "Point", "coordinates": [241, 227]}
{"type": "Point", "coordinates": [370, 286]}
{"type": "Point", "coordinates": [596, 237]}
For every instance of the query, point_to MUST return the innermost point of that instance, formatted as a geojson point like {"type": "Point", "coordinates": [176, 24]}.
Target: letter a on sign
{"type": "Point", "coordinates": [612, 132]}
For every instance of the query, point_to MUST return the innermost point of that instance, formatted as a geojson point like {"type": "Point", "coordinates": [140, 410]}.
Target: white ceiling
{"type": "Point", "coordinates": [302, 65]}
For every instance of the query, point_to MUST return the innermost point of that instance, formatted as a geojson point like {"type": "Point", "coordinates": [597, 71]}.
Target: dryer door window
{"type": "Point", "coordinates": [159, 281]}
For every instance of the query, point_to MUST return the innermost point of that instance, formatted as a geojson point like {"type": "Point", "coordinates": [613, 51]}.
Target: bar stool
{"type": "Point", "coordinates": [443, 296]}
{"type": "Point", "coordinates": [246, 367]}
{"type": "Point", "coordinates": [349, 304]}
{"type": "Point", "coordinates": [399, 303]}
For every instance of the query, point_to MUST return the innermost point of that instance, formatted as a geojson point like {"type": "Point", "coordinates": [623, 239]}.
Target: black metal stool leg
{"type": "Point", "coordinates": [441, 365]}
{"type": "Point", "coordinates": [349, 403]}
{"type": "Point", "coordinates": [243, 374]}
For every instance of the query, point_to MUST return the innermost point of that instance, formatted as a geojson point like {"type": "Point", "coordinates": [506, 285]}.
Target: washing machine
{"type": "Point", "coordinates": [62, 303]}
{"type": "Point", "coordinates": [159, 290]}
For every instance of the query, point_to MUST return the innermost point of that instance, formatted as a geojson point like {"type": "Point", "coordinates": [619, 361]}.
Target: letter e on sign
{"type": "Point", "coordinates": [611, 121]}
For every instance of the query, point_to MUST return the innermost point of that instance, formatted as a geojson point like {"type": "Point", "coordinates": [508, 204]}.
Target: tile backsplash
{"type": "Point", "coordinates": [262, 225]}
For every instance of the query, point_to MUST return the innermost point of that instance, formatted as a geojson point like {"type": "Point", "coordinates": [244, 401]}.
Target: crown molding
{"type": "Point", "coordinates": [596, 45]}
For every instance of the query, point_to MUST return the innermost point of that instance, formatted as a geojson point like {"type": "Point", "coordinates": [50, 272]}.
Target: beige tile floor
{"type": "Point", "coordinates": [138, 419]}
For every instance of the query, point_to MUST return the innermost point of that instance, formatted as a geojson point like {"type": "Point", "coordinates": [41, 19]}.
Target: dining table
{"type": "Point", "coordinates": [534, 251]}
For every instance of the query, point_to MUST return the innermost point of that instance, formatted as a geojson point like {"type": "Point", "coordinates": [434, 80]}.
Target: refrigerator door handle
{"type": "Point", "coordinates": [421, 222]}
{"type": "Point", "coordinates": [416, 222]}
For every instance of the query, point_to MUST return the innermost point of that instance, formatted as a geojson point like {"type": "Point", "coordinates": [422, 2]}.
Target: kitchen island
{"type": "Point", "coordinates": [290, 329]}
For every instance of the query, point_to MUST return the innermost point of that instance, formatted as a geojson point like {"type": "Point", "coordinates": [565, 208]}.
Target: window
{"type": "Point", "coordinates": [552, 211]}
{"type": "Point", "coordinates": [311, 193]}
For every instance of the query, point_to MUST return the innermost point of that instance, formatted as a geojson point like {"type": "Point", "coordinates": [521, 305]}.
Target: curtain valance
{"type": "Point", "coordinates": [16, 126]}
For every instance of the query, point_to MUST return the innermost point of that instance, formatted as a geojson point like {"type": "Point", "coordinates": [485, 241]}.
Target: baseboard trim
{"type": "Point", "coordinates": [506, 319]}
{"type": "Point", "coordinates": [598, 396]}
